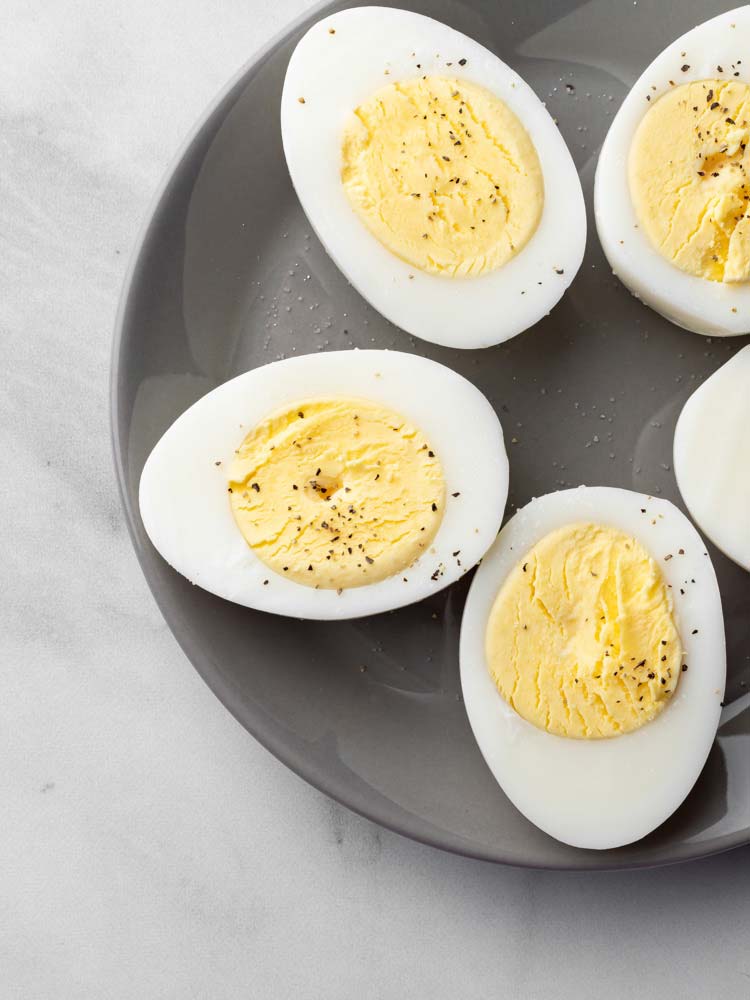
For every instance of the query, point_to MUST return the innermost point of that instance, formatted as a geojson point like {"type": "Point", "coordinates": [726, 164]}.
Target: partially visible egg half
{"type": "Point", "coordinates": [712, 457]}
{"type": "Point", "coordinates": [593, 662]}
{"type": "Point", "coordinates": [329, 485]}
{"type": "Point", "coordinates": [433, 175]}
{"type": "Point", "coordinates": [672, 185]}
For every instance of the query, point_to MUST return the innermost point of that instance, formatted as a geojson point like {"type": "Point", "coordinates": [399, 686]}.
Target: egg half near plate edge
{"type": "Point", "coordinates": [711, 457]}
{"type": "Point", "coordinates": [183, 489]}
{"type": "Point", "coordinates": [340, 63]}
{"type": "Point", "coordinates": [712, 50]}
{"type": "Point", "coordinates": [602, 793]}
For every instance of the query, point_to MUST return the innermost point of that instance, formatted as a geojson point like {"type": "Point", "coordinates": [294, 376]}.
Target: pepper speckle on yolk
{"type": "Point", "coordinates": [337, 493]}
{"type": "Point", "coordinates": [444, 175]}
{"type": "Point", "coordinates": [689, 178]}
{"type": "Point", "coordinates": [581, 640]}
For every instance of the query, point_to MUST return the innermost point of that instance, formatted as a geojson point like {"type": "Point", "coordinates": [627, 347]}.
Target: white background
{"type": "Point", "coordinates": [149, 847]}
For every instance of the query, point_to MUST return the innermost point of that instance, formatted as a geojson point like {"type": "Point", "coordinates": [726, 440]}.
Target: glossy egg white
{"type": "Point", "coordinates": [712, 457]}
{"type": "Point", "coordinates": [608, 792]}
{"type": "Point", "coordinates": [334, 73]}
{"type": "Point", "coordinates": [709, 307]}
{"type": "Point", "coordinates": [183, 492]}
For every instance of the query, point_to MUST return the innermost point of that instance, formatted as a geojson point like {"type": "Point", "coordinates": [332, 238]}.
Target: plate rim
{"type": "Point", "coordinates": [408, 826]}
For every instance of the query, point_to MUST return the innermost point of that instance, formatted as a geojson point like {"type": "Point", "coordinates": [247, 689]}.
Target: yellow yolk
{"type": "Point", "coordinates": [581, 640]}
{"type": "Point", "coordinates": [689, 178]}
{"type": "Point", "coordinates": [443, 174]}
{"type": "Point", "coordinates": [337, 493]}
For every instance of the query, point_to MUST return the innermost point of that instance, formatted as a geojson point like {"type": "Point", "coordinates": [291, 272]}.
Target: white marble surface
{"type": "Point", "coordinates": [149, 847]}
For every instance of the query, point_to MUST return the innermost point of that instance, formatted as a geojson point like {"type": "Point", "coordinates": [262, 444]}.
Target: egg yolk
{"type": "Point", "coordinates": [581, 640]}
{"type": "Point", "coordinates": [688, 173]}
{"type": "Point", "coordinates": [443, 174]}
{"type": "Point", "coordinates": [337, 493]}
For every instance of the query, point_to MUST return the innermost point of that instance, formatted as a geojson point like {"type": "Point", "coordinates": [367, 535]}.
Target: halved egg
{"type": "Point", "coordinates": [672, 184]}
{"type": "Point", "coordinates": [593, 662]}
{"type": "Point", "coordinates": [712, 457]}
{"type": "Point", "coordinates": [432, 174]}
{"type": "Point", "coordinates": [329, 485]}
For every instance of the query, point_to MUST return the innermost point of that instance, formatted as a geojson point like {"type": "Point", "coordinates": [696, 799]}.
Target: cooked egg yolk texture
{"type": "Point", "coordinates": [444, 175]}
{"type": "Point", "coordinates": [688, 172]}
{"type": "Point", "coordinates": [337, 493]}
{"type": "Point", "coordinates": [581, 640]}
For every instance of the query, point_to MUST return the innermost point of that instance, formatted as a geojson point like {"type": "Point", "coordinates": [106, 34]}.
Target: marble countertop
{"type": "Point", "coordinates": [149, 847]}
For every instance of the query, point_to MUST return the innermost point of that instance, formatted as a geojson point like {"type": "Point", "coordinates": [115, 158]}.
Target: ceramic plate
{"type": "Point", "coordinates": [229, 276]}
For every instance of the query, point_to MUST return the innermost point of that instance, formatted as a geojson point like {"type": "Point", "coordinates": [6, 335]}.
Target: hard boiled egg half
{"type": "Point", "coordinates": [329, 485]}
{"type": "Point", "coordinates": [593, 662]}
{"type": "Point", "coordinates": [673, 181]}
{"type": "Point", "coordinates": [712, 457]}
{"type": "Point", "coordinates": [432, 174]}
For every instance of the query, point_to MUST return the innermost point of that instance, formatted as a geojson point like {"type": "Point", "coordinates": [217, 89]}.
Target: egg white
{"type": "Point", "coordinates": [711, 457]}
{"type": "Point", "coordinates": [709, 307]}
{"type": "Point", "coordinates": [609, 792]}
{"type": "Point", "coordinates": [334, 73]}
{"type": "Point", "coordinates": [183, 492]}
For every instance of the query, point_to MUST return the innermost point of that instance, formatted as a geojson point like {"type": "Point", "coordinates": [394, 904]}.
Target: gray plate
{"type": "Point", "coordinates": [228, 276]}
